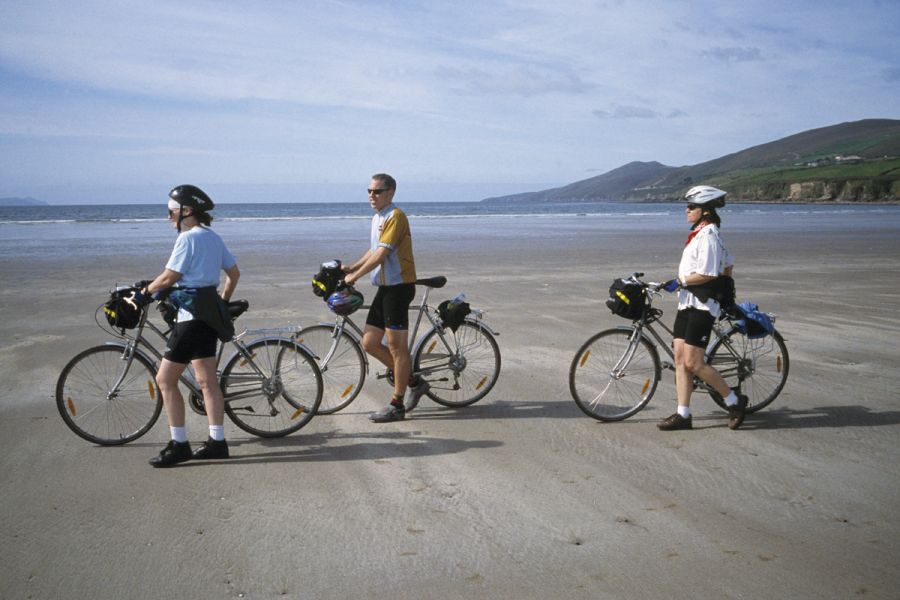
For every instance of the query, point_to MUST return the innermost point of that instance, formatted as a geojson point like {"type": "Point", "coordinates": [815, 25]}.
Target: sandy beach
{"type": "Point", "coordinates": [518, 496]}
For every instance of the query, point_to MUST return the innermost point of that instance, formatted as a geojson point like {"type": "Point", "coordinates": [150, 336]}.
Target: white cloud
{"type": "Point", "coordinates": [492, 91]}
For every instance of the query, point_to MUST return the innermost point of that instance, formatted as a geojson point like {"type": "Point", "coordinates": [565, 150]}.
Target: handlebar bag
{"type": "Point", "coordinates": [626, 299]}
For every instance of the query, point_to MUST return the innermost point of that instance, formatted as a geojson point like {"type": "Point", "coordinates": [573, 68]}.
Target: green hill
{"type": "Point", "coordinates": [853, 162]}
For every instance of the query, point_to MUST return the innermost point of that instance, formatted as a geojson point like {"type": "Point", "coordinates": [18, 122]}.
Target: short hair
{"type": "Point", "coordinates": [386, 180]}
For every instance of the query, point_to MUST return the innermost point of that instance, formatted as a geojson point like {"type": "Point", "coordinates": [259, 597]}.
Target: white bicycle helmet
{"type": "Point", "coordinates": [705, 195]}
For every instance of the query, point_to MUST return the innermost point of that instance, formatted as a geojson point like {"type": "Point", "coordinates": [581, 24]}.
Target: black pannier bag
{"type": "Point", "coordinates": [326, 280]}
{"type": "Point", "coordinates": [626, 299]}
{"type": "Point", "coordinates": [453, 313]}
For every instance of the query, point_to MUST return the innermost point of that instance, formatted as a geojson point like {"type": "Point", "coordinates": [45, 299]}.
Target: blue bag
{"type": "Point", "coordinates": [753, 322]}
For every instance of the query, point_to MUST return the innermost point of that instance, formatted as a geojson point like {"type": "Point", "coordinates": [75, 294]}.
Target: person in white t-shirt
{"type": "Point", "coordinates": [703, 260]}
{"type": "Point", "coordinates": [192, 273]}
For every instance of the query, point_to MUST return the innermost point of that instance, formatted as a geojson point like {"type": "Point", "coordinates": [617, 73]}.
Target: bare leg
{"type": "Point", "coordinates": [167, 379]}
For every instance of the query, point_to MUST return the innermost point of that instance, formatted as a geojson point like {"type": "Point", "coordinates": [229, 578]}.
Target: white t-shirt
{"type": "Point", "coordinates": [704, 254]}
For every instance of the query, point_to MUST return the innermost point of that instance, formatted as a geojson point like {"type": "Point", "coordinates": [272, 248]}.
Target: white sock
{"type": "Point", "coordinates": [217, 432]}
{"type": "Point", "coordinates": [731, 399]}
{"type": "Point", "coordinates": [179, 434]}
{"type": "Point", "coordinates": [684, 411]}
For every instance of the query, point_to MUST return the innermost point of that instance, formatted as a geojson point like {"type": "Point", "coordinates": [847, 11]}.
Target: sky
{"type": "Point", "coordinates": [119, 100]}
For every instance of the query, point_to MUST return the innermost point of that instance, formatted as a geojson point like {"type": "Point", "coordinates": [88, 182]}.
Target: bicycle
{"type": "Point", "coordinates": [615, 372]}
{"type": "Point", "coordinates": [108, 395]}
{"type": "Point", "coordinates": [461, 365]}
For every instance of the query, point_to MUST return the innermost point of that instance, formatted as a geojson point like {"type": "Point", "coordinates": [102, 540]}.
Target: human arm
{"type": "Point", "coordinates": [232, 274]}
{"type": "Point", "coordinates": [163, 281]}
{"type": "Point", "coordinates": [353, 267]}
{"type": "Point", "coordinates": [369, 262]}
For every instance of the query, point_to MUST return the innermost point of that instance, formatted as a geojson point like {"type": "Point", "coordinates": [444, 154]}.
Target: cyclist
{"type": "Point", "coordinates": [703, 260]}
{"type": "Point", "coordinates": [390, 261]}
{"type": "Point", "coordinates": [192, 273]}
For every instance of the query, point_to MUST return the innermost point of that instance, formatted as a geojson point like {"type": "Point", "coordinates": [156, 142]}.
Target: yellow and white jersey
{"type": "Point", "coordinates": [390, 229]}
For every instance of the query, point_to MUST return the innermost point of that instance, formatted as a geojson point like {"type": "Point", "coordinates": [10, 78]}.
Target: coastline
{"type": "Point", "coordinates": [518, 496]}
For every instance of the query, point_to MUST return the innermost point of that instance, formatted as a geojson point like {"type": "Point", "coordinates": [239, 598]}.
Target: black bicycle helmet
{"type": "Point", "coordinates": [193, 197]}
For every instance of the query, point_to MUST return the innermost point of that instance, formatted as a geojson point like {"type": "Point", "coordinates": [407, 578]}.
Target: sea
{"type": "Point", "coordinates": [81, 229]}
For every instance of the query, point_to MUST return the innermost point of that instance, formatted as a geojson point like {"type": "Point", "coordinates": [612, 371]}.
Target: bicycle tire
{"type": "Point", "coordinates": [604, 395]}
{"type": "Point", "coordinates": [95, 411]}
{"type": "Point", "coordinates": [345, 372]}
{"type": "Point", "coordinates": [465, 372]}
{"type": "Point", "coordinates": [281, 401]}
{"type": "Point", "coordinates": [761, 372]}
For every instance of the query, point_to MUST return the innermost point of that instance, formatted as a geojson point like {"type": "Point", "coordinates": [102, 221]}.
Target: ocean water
{"type": "Point", "coordinates": [92, 230]}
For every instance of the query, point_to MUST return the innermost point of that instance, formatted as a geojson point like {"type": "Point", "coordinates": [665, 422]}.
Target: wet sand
{"type": "Point", "coordinates": [518, 496]}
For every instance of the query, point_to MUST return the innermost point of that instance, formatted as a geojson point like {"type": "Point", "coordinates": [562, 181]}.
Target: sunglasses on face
{"type": "Point", "coordinates": [692, 206]}
{"type": "Point", "coordinates": [377, 191]}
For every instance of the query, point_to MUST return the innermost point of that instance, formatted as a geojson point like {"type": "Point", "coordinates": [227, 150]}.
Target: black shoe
{"type": "Point", "coordinates": [211, 449]}
{"type": "Point", "coordinates": [393, 412]}
{"type": "Point", "coordinates": [675, 422]}
{"type": "Point", "coordinates": [415, 392]}
{"type": "Point", "coordinates": [737, 412]}
{"type": "Point", "coordinates": [172, 454]}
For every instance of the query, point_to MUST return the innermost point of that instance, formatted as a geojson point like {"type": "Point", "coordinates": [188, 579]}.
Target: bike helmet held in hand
{"type": "Point", "coordinates": [345, 302]}
{"type": "Point", "coordinates": [705, 195]}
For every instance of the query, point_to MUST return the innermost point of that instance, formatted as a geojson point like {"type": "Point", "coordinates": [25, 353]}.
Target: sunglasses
{"type": "Point", "coordinates": [377, 191]}
{"type": "Point", "coordinates": [692, 206]}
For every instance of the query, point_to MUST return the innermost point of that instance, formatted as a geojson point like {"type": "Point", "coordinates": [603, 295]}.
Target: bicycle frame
{"type": "Point", "coordinates": [646, 322]}
{"type": "Point", "coordinates": [342, 322]}
{"type": "Point", "coordinates": [139, 342]}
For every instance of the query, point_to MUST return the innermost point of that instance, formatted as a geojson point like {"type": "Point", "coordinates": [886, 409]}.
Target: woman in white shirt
{"type": "Point", "coordinates": [703, 261]}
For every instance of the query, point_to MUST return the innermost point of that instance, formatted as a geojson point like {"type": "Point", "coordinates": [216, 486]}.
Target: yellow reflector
{"type": "Point", "coordinates": [431, 347]}
{"type": "Point", "coordinates": [151, 390]}
{"type": "Point", "coordinates": [298, 412]}
{"type": "Point", "coordinates": [71, 404]}
{"type": "Point", "coordinates": [244, 361]}
{"type": "Point", "coordinates": [481, 383]}
{"type": "Point", "coordinates": [584, 358]}
{"type": "Point", "coordinates": [347, 391]}
{"type": "Point", "coordinates": [644, 389]}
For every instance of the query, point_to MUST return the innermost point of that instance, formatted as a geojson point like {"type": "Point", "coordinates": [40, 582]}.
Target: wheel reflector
{"type": "Point", "coordinates": [584, 358]}
{"type": "Point", "coordinates": [298, 412]}
{"type": "Point", "coordinates": [347, 391]}
{"type": "Point", "coordinates": [71, 404]}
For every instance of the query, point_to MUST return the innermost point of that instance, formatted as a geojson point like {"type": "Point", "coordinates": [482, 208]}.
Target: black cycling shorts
{"type": "Point", "coordinates": [693, 326]}
{"type": "Point", "coordinates": [190, 340]}
{"type": "Point", "coordinates": [390, 308]}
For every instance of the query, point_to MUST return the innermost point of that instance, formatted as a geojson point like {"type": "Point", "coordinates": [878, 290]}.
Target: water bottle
{"type": "Point", "coordinates": [459, 299]}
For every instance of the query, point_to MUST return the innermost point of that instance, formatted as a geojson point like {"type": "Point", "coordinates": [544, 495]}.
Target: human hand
{"type": "Point", "coordinates": [672, 285]}
{"type": "Point", "coordinates": [140, 298]}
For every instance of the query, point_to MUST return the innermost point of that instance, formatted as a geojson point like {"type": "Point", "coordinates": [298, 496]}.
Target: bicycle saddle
{"type": "Point", "coordinates": [237, 307]}
{"type": "Point", "coordinates": [433, 282]}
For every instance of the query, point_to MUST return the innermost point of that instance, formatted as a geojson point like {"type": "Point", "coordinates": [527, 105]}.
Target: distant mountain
{"type": "Point", "coordinates": [857, 161]}
{"type": "Point", "coordinates": [21, 202]}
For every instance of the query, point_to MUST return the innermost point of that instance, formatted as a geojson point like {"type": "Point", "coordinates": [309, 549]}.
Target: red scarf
{"type": "Point", "coordinates": [696, 230]}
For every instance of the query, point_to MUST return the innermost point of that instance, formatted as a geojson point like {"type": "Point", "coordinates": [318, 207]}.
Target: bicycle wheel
{"type": "Point", "coordinates": [343, 368]}
{"type": "Point", "coordinates": [755, 367]}
{"type": "Point", "coordinates": [275, 393]}
{"type": "Point", "coordinates": [461, 367]}
{"type": "Point", "coordinates": [107, 399]}
{"type": "Point", "coordinates": [612, 377]}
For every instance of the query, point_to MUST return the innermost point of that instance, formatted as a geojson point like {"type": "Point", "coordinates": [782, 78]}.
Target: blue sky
{"type": "Point", "coordinates": [104, 100]}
